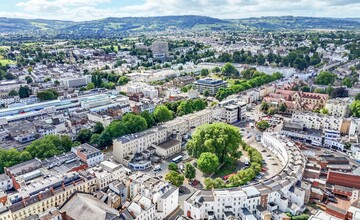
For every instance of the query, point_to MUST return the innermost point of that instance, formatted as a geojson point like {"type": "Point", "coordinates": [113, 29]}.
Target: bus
{"type": "Point", "coordinates": [177, 159]}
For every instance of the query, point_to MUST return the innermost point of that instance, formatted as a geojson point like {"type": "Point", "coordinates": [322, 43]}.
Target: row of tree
{"type": "Point", "coordinates": [45, 147]}
{"type": "Point", "coordinates": [298, 58]}
{"type": "Point", "coordinates": [47, 95]}
{"type": "Point", "coordinates": [241, 177]}
{"type": "Point", "coordinates": [186, 106]}
{"type": "Point", "coordinates": [257, 80]}
{"type": "Point", "coordinates": [131, 123]}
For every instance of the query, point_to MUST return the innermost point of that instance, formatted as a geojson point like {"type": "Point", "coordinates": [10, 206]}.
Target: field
{"type": "Point", "coordinates": [5, 62]}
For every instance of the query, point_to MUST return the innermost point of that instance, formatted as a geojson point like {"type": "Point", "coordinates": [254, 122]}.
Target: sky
{"type": "Point", "coordinates": [83, 10]}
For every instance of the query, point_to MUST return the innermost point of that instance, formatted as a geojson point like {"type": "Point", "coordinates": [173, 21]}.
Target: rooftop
{"type": "Point", "coordinates": [169, 144]}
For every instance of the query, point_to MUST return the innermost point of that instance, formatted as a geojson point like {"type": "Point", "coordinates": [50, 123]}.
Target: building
{"type": "Point", "coordinates": [107, 172]}
{"type": "Point", "coordinates": [84, 206]}
{"type": "Point", "coordinates": [231, 111]}
{"type": "Point", "coordinates": [297, 131]}
{"type": "Point", "coordinates": [338, 107]}
{"type": "Point", "coordinates": [75, 82]}
{"type": "Point", "coordinates": [318, 121]}
{"type": "Point", "coordinates": [160, 50]}
{"type": "Point", "coordinates": [209, 84]}
{"type": "Point", "coordinates": [168, 148]}
{"type": "Point", "coordinates": [160, 193]}
{"type": "Point", "coordinates": [5, 182]}
{"type": "Point", "coordinates": [89, 154]}
{"type": "Point", "coordinates": [134, 148]}
{"type": "Point", "coordinates": [268, 199]}
{"type": "Point", "coordinates": [297, 100]}
{"type": "Point", "coordinates": [220, 204]}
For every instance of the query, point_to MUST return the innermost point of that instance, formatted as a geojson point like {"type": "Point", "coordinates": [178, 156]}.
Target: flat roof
{"type": "Point", "coordinates": [169, 144]}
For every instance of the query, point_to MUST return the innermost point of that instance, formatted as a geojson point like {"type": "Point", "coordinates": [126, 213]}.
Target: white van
{"type": "Point", "coordinates": [157, 168]}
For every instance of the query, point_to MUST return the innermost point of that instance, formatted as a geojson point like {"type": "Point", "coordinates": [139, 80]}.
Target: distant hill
{"type": "Point", "coordinates": [18, 24]}
{"type": "Point", "coordinates": [118, 26]}
{"type": "Point", "coordinates": [292, 22]}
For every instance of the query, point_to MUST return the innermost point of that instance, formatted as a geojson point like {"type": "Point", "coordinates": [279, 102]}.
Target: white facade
{"type": "Point", "coordinates": [5, 182]}
{"type": "Point", "coordinates": [214, 204]}
{"type": "Point", "coordinates": [318, 121]}
{"type": "Point", "coordinates": [76, 82]}
{"type": "Point", "coordinates": [126, 146]}
{"type": "Point", "coordinates": [338, 107]}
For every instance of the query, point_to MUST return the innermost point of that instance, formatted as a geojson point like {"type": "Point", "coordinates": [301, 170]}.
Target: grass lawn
{"type": "Point", "coordinates": [226, 169]}
{"type": "Point", "coordinates": [6, 61]}
{"type": "Point", "coordinates": [115, 47]}
{"type": "Point", "coordinates": [214, 76]}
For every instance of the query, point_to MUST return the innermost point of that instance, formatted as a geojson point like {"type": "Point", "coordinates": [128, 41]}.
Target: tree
{"type": "Point", "coordinates": [94, 140]}
{"type": "Point", "coordinates": [282, 107]}
{"type": "Point", "coordinates": [98, 128]}
{"type": "Point", "coordinates": [199, 104]}
{"type": "Point", "coordinates": [190, 171]}
{"type": "Point", "coordinates": [48, 146]}
{"type": "Point", "coordinates": [271, 111]}
{"type": "Point", "coordinates": [105, 139]}
{"type": "Point", "coordinates": [30, 69]}
{"type": "Point", "coordinates": [324, 111]}
{"type": "Point", "coordinates": [123, 80]}
{"type": "Point", "coordinates": [28, 79]}
{"type": "Point", "coordinates": [355, 108]}
{"type": "Point", "coordinates": [230, 70]}
{"type": "Point", "coordinates": [325, 78]}
{"type": "Point", "coordinates": [148, 117]}
{"type": "Point", "coordinates": [90, 86]}
{"type": "Point", "coordinates": [219, 138]}
{"type": "Point", "coordinates": [305, 89]}
{"type": "Point", "coordinates": [262, 125]}
{"type": "Point", "coordinates": [174, 178]}
{"type": "Point", "coordinates": [264, 106]}
{"type": "Point", "coordinates": [209, 183]}
{"type": "Point", "coordinates": [173, 166]}
{"type": "Point", "coordinates": [24, 91]}
{"type": "Point", "coordinates": [339, 92]}
{"type": "Point", "coordinates": [357, 97]}
{"type": "Point", "coordinates": [84, 135]}
{"type": "Point", "coordinates": [319, 90]}
{"type": "Point", "coordinates": [117, 129]}
{"type": "Point", "coordinates": [162, 114]}
{"type": "Point", "coordinates": [219, 183]}
{"type": "Point", "coordinates": [208, 162]}
{"type": "Point", "coordinates": [204, 72]}
{"type": "Point", "coordinates": [13, 93]}
{"type": "Point", "coordinates": [347, 82]}
{"type": "Point", "coordinates": [206, 93]}
{"type": "Point", "coordinates": [134, 123]}
{"type": "Point", "coordinates": [216, 70]}
{"type": "Point", "coordinates": [49, 94]}
{"type": "Point", "coordinates": [66, 142]}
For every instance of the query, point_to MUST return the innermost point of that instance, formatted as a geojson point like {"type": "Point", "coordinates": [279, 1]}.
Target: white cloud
{"type": "Point", "coordinates": [89, 9]}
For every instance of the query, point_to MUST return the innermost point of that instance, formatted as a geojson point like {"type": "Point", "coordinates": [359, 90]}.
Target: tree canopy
{"type": "Point", "coordinates": [208, 162]}
{"type": "Point", "coordinates": [174, 178]}
{"type": "Point", "coordinates": [219, 138]}
{"type": "Point", "coordinates": [325, 78]}
{"type": "Point", "coordinates": [162, 114]}
{"type": "Point", "coordinates": [355, 108]}
{"type": "Point", "coordinates": [262, 125]}
{"type": "Point", "coordinates": [189, 171]}
{"type": "Point", "coordinates": [46, 95]}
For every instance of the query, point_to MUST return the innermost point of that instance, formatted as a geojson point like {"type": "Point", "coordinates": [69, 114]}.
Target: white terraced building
{"type": "Point", "coordinates": [265, 200]}
{"type": "Point", "coordinates": [127, 146]}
